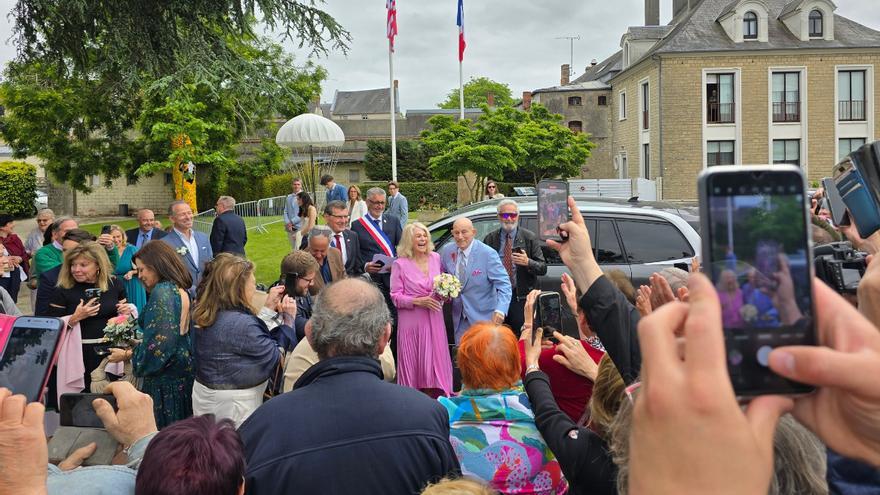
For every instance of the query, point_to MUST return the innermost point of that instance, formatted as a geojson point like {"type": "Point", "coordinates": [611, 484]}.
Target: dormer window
{"type": "Point", "coordinates": [750, 26]}
{"type": "Point", "coordinates": [816, 30]}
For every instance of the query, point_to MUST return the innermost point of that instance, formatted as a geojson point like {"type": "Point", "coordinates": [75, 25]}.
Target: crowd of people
{"type": "Point", "coordinates": [343, 378]}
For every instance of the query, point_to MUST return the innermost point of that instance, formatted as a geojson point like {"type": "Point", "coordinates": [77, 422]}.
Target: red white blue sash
{"type": "Point", "coordinates": [379, 236]}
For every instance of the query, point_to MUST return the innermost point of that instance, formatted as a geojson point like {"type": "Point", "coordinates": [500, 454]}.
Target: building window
{"type": "Point", "coordinates": [622, 110]}
{"type": "Point", "coordinates": [646, 104]}
{"type": "Point", "coordinates": [719, 99]}
{"type": "Point", "coordinates": [787, 151]}
{"type": "Point", "coordinates": [168, 179]}
{"type": "Point", "coordinates": [603, 101]}
{"type": "Point", "coordinates": [851, 95]}
{"type": "Point", "coordinates": [576, 126]}
{"type": "Point", "coordinates": [786, 97]}
{"type": "Point", "coordinates": [815, 24]}
{"type": "Point", "coordinates": [646, 161]}
{"type": "Point", "coordinates": [354, 175]}
{"type": "Point", "coordinates": [624, 167]}
{"type": "Point", "coordinates": [847, 146]}
{"type": "Point", "coordinates": [750, 26]}
{"type": "Point", "coordinates": [94, 180]}
{"type": "Point", "coordinates": [719, 153]}
{"type": "Point", "coordinates": [574, 101]}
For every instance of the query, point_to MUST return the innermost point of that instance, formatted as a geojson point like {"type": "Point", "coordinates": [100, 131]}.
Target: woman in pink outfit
{"type": "Point", "coordinates": [422, 348]}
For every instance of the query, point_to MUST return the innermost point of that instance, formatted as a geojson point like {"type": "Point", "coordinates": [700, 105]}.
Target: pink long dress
{"type": "Point", "coordinates": [422, 348]}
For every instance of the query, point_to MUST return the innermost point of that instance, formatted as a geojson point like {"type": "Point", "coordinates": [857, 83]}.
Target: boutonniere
{"type": "Point", "coordinates": [476, 272]}
{"type": "Point", "coordinates": [454, 256]}
{"type": "Point", "coordinates": [182, 250]}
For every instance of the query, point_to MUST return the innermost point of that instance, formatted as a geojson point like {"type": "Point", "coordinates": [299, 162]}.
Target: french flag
{"type": "Point", "coordinates": [460, 22]}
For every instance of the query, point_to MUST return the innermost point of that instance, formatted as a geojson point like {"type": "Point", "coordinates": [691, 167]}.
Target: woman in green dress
{"type": "Point", "coordinates": [163, 359]}
{"type": "Point", "coordinates": [125, 271]}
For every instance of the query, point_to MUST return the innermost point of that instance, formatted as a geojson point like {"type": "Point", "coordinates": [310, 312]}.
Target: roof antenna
{"type": "Point", "coordinates": [571, 51]}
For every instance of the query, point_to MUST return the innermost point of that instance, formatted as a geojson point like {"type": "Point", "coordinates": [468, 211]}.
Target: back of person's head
{"type": "Point", "coordinates": [299, 262]}
{"type": "Point", "coordinates": [821, 236]}
{"type": "Point", "coordinates": [91, 251]}
{"type": "Point", "coordinates": [608, 393]}
{"type": "Point", "coordinates": [618, 444]}
{"type": "Point", "coordinates": [488, 357]}
{"type": "Point", "coordinates": [165, 262]}
{"type": "Point", "coordinates": [623, 283]}
{"type": "Point", "coordinates": [459, 486]}
{"type": "Point", "coordinates": [223, 287]}
{"type": "Point", "coordinates": [676, 277]}
{"type": "Point", "coordinates": [5, 218]}
{"type": "Point", "coordinates": [799, 460]}
{"type": "Point", "coordinates": [326, 178]}
{"type": "Point", "coordinates": [194, 456]}
{"type": "Point", "coordinates": [78, 235]}
{"type": "Point", "coordinates": [349, 318]}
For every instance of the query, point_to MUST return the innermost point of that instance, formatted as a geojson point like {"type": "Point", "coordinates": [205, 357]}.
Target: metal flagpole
{"type": "Point", "coordinates": [393, 115]}
{"type": "Point", "coordinates": [460, 91]}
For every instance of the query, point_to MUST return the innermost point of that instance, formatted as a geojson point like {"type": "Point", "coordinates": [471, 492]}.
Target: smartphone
{"type": "Point", "coordinates": [105, 229]}
{"type": "Point", "coordinates": [93, 293]}
{"type": "Point", "coordinates": [757, 252]}
{"type": "Point", "coordinates": [29, 355]}
{"type": "Point", "coordinates": [552, 209]}
{"type": "Point", "coordinates": [835, 203]}
{"type": "Point", "coordinates": [77, 409]}
{"type": "Point", "coordinates": [549, 314]}
{"type": "Point", "coordinates": [519, 250]}
{"type": "Point", "coordinates": [290, 280]}
{"type": "Point", "coordinates": [857, 196]}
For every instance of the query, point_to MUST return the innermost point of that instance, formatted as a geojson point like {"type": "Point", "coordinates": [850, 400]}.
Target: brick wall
{"type": "Point", "coordinates": [149, 192]}
{"type": "Point", "coordinates": [626, 132]}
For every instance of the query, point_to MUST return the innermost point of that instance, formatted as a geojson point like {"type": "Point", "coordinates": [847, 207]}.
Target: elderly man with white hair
{"type": "Point", "coordinates": [229, 233]}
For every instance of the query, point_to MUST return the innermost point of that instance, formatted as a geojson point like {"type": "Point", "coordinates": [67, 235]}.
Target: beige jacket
{"type": "Point", "coordinates": [303, 357]}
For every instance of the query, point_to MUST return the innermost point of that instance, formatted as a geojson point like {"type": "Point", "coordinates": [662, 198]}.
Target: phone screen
{"type": "Point", "coordinates": [77, 409]}
{"type": "Point", "coordinates": [835, 203]}
{"type": "Point", "coordinates": [290, 284]}
{"type": "Point", "coordinates": [105, 229]}
{"type": "Point", "coordinates": [550, 313]}
{"type": "Point", "coordinates": [760, 262]}
{"type": "Point", "coordinates": [552, 208]}
{"type": "Point", "coordinates": [30, 349]}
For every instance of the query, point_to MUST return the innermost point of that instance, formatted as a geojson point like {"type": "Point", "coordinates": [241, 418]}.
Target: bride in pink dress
{"type": "Point", "coordinates": [423, 360]}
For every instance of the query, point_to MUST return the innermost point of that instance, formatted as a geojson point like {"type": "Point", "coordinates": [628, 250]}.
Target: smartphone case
{"type": "Point", "coordinates": [858, 198]}
{"type": "Point", "coordinates": [6, 323]}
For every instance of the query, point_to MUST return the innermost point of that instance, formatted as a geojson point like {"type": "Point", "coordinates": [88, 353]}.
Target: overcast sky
{"type": "Point", "coordinates": [512, 41]}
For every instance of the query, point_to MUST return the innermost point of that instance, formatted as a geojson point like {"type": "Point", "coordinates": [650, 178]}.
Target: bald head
{"type": "Point", "coordinates": [463, 232]}
{"type": "Point", "coordinates": [349, 318]}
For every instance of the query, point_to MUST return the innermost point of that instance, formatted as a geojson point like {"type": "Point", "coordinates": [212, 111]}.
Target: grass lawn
{"type": "Point", "coordinates": [266, 250]}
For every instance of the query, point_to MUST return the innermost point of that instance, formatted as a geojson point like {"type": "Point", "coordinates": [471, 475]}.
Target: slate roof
{"type": "Point", "coordinates": [581, 86]}
{"type": "Point", "coordinates": [648, 32]}
{"type": "Point", "coordinates": [368, 101]}
{"type": "Point", "coordinates": [603, 71]}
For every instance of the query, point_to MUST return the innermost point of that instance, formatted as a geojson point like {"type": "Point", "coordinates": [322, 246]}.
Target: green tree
{"type": "Point", "coordinates": [476, 93]}
{"type": "Point", "coordinates": [551, 149]}
{"type": "Point", "coordinates": [412, 161]}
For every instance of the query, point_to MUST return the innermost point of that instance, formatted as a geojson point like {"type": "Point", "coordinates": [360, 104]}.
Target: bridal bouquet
{"type": "Point", "coordinates": [121, 330]}
{"type": "Point", "coordinates": [447, 286]}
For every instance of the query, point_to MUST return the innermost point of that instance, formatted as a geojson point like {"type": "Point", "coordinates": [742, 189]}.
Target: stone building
{"type": "Point", "coordinates": [735, 82]}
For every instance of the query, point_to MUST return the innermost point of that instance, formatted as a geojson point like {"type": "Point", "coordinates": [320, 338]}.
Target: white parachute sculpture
{"type": "Point", "coordinates": [315, 142]}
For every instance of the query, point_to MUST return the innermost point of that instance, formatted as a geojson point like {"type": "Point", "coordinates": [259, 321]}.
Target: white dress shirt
{"type": "Point", "coordinates": [191, 245]}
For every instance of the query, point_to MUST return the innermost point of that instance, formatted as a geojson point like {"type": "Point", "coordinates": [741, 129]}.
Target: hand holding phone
{"type": "Point", "coordinates": [552, 209]}
{"type": "Point", "coordinates": [29, 355]}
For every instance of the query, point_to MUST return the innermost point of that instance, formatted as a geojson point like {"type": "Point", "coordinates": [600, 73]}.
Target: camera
{"type": "Point", "coordinates": [840, 266]}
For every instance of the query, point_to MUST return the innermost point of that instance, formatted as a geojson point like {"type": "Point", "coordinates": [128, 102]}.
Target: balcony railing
{"type": "Point", "coordinates": [719, 113]}
{"type": "Point", "coordinates": [851, 110]}
{"type": "Point", "coordinates": [786, 111]}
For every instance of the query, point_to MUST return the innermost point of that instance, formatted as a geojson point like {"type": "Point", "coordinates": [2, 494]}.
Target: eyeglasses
{"type": "Point", "coordinates": [508, 216]}
{"type": "Point", "coordinates": [341, 217]}
{"type": "Point", "coordinates": [490, 187]}
{"type": "Point", "coordinates": [309, 280]}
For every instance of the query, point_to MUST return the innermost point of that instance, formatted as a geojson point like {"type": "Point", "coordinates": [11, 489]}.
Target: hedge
{"type": "Point", "coordinates": [18, 188]}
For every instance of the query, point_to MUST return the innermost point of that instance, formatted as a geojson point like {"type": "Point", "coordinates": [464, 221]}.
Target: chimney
{"type": "Point", "coordinates": [593, 63]}
{"type": "Point", "coordinates": [564, 74]}
{"type": "Point", "coordinates": [490, 99]}
{"type": "Point", "coordinates": [395, 84]}
{"type": "Point", "coordinates": [527, 100]}
{"type": "Point", "coordinates": [652, 12]}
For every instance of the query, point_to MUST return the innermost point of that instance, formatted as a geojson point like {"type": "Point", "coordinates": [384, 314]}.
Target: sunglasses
{"type": "Point", "coordinates": [509, 216]}
{"type": "Point", "coordinates": [490, 187]}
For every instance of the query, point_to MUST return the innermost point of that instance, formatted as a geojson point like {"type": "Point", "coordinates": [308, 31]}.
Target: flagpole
{"type": "Point", "coordinates": [393, 115]}
{"type": "Point", "coordinates": [460, 90]}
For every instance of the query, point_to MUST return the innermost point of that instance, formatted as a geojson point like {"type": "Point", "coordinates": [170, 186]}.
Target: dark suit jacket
{"type": "Point", "coordinates": [369, 247]}
{"type": "Point", "coordinates": [337, 271]}
{"type": "Point", "coordinates": [228, 234]}
{"type": "Point", "coordinates": [526, 278]}
{"type": "Point", "coordinates": [46, 287]}
{"type": "Point", "coordinates": [132, 235]}
{"type": "Point", "coordinates": [353, 248]}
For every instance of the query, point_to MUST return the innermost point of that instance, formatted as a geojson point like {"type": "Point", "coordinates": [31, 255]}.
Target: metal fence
{"type": "Point", "coordinates": [256, 214]}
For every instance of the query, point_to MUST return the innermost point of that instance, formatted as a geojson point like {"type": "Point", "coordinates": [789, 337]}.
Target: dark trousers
{"type": "Point", "coordinates": [12, 283]}
{"type": "Point", "coordinates": [515, 315]}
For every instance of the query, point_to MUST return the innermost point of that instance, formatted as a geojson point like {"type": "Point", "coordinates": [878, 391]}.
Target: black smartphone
{"type": "Point", "coordinates": [519, 250]}
{"type": "Point", "coordinates": [290, 280]}
{"type": "Point", "coordinates": [77, 409]}
{"type": "Point", "coordinates": [105, 229]}
{"type": "Point", "coordinates": [549, 314]}
{"type": "Point", "coordinates": [29, 355]}
{"type": "Point", "coordinates": [552, 209]}
{"type": "Point", "coordinates": [757, 252]}
{"type": "Point", "coordinates": [836, 206]}
{"type": "Point", "coordinates": [93, 293]}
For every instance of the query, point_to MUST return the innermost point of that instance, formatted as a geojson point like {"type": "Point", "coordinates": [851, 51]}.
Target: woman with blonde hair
{"type": "Point", "coordinates": [89, 294]}
{"type": "Point", "coordinates": [492, 426]}
{"type": "Point", "coordinates": [357, 207]}
{"type": "Point", "coordinates": [422, 347]}
{"type": "Point", "coordinates": [234, 352]}
{"type": "Point", "coordinates": [125, 270]}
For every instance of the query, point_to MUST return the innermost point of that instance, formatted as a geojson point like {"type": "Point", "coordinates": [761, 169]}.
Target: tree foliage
{"type": "Point", "coordinates": [412, 161]}
{"type": "Point", "coordinates": [502, 141]}
{"type": "Point", "coordinates": [476, 94]}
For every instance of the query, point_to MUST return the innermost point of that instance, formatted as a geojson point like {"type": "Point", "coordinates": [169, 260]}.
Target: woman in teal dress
{"type": "Point", "coordinates": [163, 359]}
{"type": "Point", "coordinates": [125, 271]}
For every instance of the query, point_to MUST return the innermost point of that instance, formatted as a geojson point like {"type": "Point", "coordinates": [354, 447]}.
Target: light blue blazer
{"type": "Point", "coordinates": [206, 254]}
{"type": "Point", "coordinates": [485, 288]}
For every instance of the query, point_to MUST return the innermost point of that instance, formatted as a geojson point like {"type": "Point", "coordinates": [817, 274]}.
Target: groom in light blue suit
{"type": "Point", "coordinates": [193, 246]}
{"type": "Point", "coordinates": [486, 291]}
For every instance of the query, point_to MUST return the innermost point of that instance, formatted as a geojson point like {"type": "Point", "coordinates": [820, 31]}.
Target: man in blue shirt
{"type": "Point", "coordinates": [335, 192]}
{"type": "Point", "coordinates": [292, 220]}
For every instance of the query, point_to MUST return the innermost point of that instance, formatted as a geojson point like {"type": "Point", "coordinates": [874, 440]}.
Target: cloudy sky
{"type": "Point", "coordinates": [512, 41]}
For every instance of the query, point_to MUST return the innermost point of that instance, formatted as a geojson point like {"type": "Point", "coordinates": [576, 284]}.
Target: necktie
{"type": "Point", "coordinates": [508, 257]}
{"type": "Point", "coordinates": [462, 266]}
{"type": "Point", "coordinates": [143, 239]}
{"type": "Point", "coordinates": [338, 243]}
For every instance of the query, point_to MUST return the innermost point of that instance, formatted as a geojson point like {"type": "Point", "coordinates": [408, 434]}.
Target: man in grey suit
{"type": "Point", "coordinates": [193, 246]}
{"type": "Point", "coordinates": [397, 203]}
{"type": "Point", "coordinates": [292, 220]}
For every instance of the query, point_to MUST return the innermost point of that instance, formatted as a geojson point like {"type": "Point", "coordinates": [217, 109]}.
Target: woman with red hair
{"type": "Point", "coordinates": [492, 426]}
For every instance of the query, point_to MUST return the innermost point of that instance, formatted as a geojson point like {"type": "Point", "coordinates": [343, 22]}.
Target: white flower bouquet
{"type": "Point", "coordinates": [121, 330]}
{"type": "Point", "coordinates": [447, 286]}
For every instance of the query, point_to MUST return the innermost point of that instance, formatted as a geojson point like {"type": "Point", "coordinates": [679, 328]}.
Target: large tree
{"type": "Point", "coordinates": [476, 92]}
{"type": "Point", "coordinates": [412, 161]}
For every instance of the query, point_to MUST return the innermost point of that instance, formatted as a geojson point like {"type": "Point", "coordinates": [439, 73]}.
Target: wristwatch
{"type": "Point", "coordinates": [532, 367]}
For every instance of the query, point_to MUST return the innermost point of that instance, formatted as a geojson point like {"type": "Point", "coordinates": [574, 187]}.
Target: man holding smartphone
{"type": "Point", "coordinates": [521, 255]}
